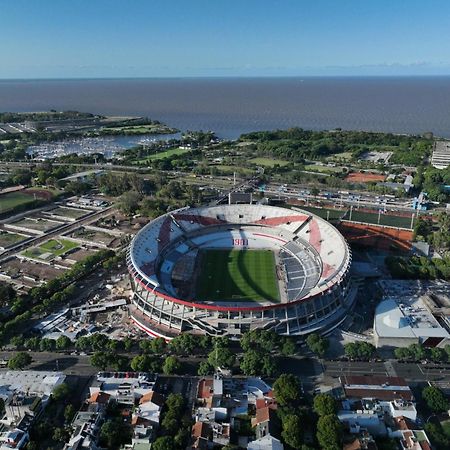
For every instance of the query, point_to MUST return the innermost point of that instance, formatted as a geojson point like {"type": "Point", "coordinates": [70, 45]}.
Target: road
{"type": "Point", "coordinates": [311, 371]}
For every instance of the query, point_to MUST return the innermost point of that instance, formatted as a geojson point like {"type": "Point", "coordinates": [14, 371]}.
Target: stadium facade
{"type": "Point", "coordinates": [312, 270]}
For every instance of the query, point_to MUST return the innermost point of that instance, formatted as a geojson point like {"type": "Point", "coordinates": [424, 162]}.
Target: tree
{"type": "Point", "coordinates": [142, 363]}
{"type": "Point", "coordinates": [111, 433]}
{"type": "Point", "coordinates": [287, 389]}
{"type": "Point", "coordinates": [128, 344]}
{"type": "Point", "coordinates": [63, 343]}
{"type": "Point", "coordinates": [61, 392]}
{"type": "Point", "coordinates": [46, 345]}
{"type": "Point", "coordinates": [60, 435]}
{"type": "Point", "coordinates": [129, 202]}
{"type": "Point", "coordinates": [288, 347]}
{"type": "Point", "coordinates": [221, 357]}
{"type": "Point", "coordinates": [164, 443]}
{"type": "Point", "coordinates": [329, 432]}
{"type": "Point", "coordinates": [17, 341]}
{"type": "Point", "coordinates": [359, 350]}
{"type": "Point", "coordinates": [435, 399]}
{"type": "Point", "coordinates": [255, 362]}
{"type": "Point", "coordinates": [324, 404]}
{"type": "Point", "coordinates": [19, 361]}
{"type": "Point", "coordinates": [438, 354]}
{"type": "Point", "coordinates": [158, 345]}
{"type": "Point", "coordinates": [292, 431]}
{"type": "Point", "coordinates": [439, 439]}
{"type": "Point", "coordinates": [7, 293]}
{"type": "Point", "coordinates": [205, 368]}
{"type": "Point", "coordinates": [69, 413]}
{"type": "Point", "coordinates": [263, 340]}
{"type": "Point", "coordinates": [100, 360]}
{"type": "Point", "coordinates": [317, 344]}
{"type": "Point", "coordinates": [402, 353]}
{"type": "Point", "coordinates": [171, 365]}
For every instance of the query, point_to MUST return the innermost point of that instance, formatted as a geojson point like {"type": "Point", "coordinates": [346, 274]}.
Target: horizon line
{"type": "Point", "coordinates": [174, 77]}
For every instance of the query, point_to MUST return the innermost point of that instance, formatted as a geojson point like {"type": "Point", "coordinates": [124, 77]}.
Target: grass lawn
{"type": "Point", "coordinates": [391, 221]}
{"type": "Point", "coordinates": [230, 169]}
{"type": "Point", "coordinates": [268, 162]}
{"type": "Point", "coordinates": [7, 239]}
{"type": "Point", "coordinates": [347, 156]}
{"type": "Point", "coordinates": [237, 275]}
{"type": "Point", "coordinates": [322, 212]}
{"type": "Point", "coordinates": [72, 213]}
{"type": "Point", "coordinates": [166, 154]}
{"type": "Point", "coordinates": [56, 247]}
{"type": "Point", "coordinates": [13, 199]}
{"type": "Point", "coordinates": [324, 169]}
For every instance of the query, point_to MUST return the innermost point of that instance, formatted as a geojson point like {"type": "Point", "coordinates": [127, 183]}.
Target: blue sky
{"type": "Point", "coordinates": [156, 38]}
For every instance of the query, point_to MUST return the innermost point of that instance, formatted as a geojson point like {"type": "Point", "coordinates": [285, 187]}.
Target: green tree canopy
{"type": "Point", "coordinates": [287, 389]}
{"type": "Point", "coordinates": [329, 432]}
{"type": "Point", "coordinates": [164, 443]}
{"type": "Point", "coordinates": [292, 433]}
{"type": "Point", "coordinates": [61, 392]}
{"type": "Point", "coordinates": [324, 404]}
{"type": "Point", "coordinates": [171, 365]}
{"type": "Point", "coordinates": [19, 361]}
{"type": "Point", "coordinates": [317, 344]}
{"type": "Point", "coordinates": [435, 399]}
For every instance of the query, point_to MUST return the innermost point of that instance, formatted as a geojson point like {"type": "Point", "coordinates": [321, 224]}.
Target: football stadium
{"type": "Point", "coordinates": [224, 270]}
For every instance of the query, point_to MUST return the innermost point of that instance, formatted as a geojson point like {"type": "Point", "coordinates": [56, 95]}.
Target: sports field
{"type": "Point", "coordinates": [237, 276]}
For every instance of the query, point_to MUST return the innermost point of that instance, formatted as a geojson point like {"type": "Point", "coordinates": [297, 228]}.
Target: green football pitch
{"type": "Point", "coordinates": [237, 275]}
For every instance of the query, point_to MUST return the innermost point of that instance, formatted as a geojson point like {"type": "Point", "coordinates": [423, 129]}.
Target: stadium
{"type": "Point", "coordinates": [224, 270]}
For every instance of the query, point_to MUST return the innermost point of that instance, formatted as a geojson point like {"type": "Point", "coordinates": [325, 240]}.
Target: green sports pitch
{"type": "Point", "coordinates": [237, 276]}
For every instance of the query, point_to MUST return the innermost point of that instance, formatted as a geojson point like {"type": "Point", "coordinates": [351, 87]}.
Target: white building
{"type": "Point", "coordinates": [410, 322]}
{"type": "Point", "coordinates": [267, 442]}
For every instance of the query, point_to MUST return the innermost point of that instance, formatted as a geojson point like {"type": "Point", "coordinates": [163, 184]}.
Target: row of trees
{"type": "Point", "coordinates": [175, 425]}
{"type": "Point", "coordinates": [44, 299]}
{"type": "Point", "coordinates": [419, 267]}
{"type": "Point", "coordinates": [296, 417]}
{"type": "Point", "coordinates": [359, 350]}
{"type": "Point", "coordinates": [417, 352]}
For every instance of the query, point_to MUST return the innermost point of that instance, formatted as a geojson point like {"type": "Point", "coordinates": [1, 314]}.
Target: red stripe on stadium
{"type": "Point", "coordinates": [274, 221]}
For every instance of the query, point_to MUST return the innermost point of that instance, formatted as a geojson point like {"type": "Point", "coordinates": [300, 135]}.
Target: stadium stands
{"type": "Point", "coordinates": [312, 263]}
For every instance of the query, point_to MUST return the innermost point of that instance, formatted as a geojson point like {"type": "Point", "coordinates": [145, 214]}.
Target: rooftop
{"type": "Point", "coordinates": [29, 381]}
{"type": "Point", "coordinates": [407, 318]}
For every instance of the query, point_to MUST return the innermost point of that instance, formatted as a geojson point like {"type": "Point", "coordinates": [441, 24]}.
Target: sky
{"type": "Point", "coordinates": [184, 38]}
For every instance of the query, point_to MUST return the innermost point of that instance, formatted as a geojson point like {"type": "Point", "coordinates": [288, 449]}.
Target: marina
{"type": "Point", "coordinates": [109, 146]}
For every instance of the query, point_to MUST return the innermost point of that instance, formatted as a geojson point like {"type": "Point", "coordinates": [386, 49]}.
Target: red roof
{"type": "Point", "coordinates": [262, 415]}
{"type": "Point", "coordinates": [153, 397]}
{"type": "Point", "coordinates": [263, 402]}
{"type": "Point", "coordinates": [205, 388]}
{"type": "Point", "coordinates": [379, 394]}
{"type": "Point", "coordinates": [99, 397]}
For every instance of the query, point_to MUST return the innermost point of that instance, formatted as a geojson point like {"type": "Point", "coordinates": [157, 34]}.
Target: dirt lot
{"type": "Point", "coordinates": [94, 236]}
{"type": "Point", "coordinates": [70, 213]}
{"type": "Point", "coordinates": [19, 268]}
{"type": "Point", "coordinates": [119, 222]}
{"type": "Point", "coordinates": [36, 223]}
{"type": "Point", "coordinates": [7, 238]}
{"type": "Point", "coordinates": [79, 254]}
{"type": "Point", "coordinates": [362, 177]}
